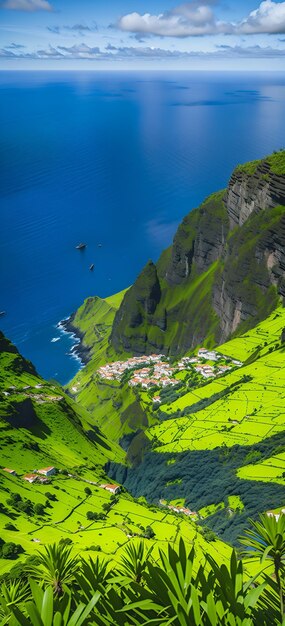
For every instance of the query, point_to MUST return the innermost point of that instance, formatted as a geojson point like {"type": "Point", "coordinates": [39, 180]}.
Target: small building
{"type": "Point", "coordinates": [156, 399]}
{"type": "Point", "coordinates": [272, 514]}
{"type": "Point", "coordinates": [43, 480]}
{"type": "Point", "coordinates": [112, 488]}
{"type": "Point", "coordinates": [276, 515]}
{"type": "Point", "coordinates": [47, 471]}
{"type": "Point", "coordinates": [30, 478]}
{"type": "Point", "coordinates": [10, 471]}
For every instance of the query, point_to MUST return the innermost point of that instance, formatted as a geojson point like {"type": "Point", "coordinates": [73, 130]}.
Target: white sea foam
{"type": "Point", "coordinates": [75, 341]}
{"type": "Point", "coordinates": [54, 339]}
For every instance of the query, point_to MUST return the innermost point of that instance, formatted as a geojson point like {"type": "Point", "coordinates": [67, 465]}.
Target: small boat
{"type": "Point", "coordinates": [91, 267]}
{"type": "Point", "coordinates": [2, 313]}
{"type": "Point", "coordinates": [81, 246]}
{"type": "Point", "coordinates": [99, 245]}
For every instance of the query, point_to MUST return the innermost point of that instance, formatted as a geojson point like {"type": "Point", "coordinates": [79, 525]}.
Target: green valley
{"type": "Point", "coordinates": [179, 408]}
{"type": "Point", "coordinates": [42, 427]}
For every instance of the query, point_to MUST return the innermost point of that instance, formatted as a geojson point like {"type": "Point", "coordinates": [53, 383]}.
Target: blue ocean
{"type": "Point", "coordinates": [114, 160]}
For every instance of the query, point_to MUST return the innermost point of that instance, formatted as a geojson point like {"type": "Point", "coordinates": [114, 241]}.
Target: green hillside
{"type": "Point", "coordinates": [195, 436]}
{"type": "Point", "coordinates": [40, 426]}
{"type": "Point", "coordinates": [220, 430]}
{"type": "Point", "coordinates": [223, 438]}
{"type": "Point", "coordinates": [116, 409]}
{"type": "Point", "coordinates": [43, 422]}
{"type": "Point", "coordinates": [93, 322]}
{"type": "Point", "coordinates": [223, 276]}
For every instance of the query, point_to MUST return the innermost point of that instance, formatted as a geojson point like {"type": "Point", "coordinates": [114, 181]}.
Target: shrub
{"type": "Point", "coordinates": [149, 532]}
{"type": "Point", "coordinates": [10, 550]}
{"type": "Point", "coordinates": [65, 541]}
{"type": "Point", "coordinates": [50, 496]}
{"type": "Point", "coordinates": [91, 515]}
{"type": "Point", "coordinates": [39, 509]}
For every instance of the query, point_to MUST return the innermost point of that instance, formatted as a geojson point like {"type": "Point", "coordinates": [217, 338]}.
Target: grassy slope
{"type": "Point", "coordinates": [67, 519]}
{"type": "Point", "coordinates": [226, 457]}
{"type": "Point", "coordinates": [256, 405]}
{"type": "Point", "coordinates": [116, 410]}
{"type": "Point", "coordinates": [275, 160]}
{"type": "Point", "coordinates": [270, 470]}
{"type": "Point", "coordinates": [52, 430]}
{"type": "Point", "coordinates": [34, 411]}
{"type": "Point", "coordinates": [94, 321]}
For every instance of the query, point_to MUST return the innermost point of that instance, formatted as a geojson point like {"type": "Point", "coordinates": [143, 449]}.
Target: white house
{"type": "Point", "coordinates": [10, 471]}
{"type": "Point", "coordinates": [47, 471]}
{"type": "Point", "coordinates": [156, 399]}
{"type": "Point", "coordinates": [30, 478]}
{"type": "Point", "coordinates": [112, 488]}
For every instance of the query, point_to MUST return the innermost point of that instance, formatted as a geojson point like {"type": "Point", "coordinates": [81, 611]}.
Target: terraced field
{"type": "Point", "coordinates": [240, 409]}
{"type": "Point", "coordinates": [250, 404]}
{"type": "Point", "coordinates": [270, 470]}
{"type": "Point", "coordinates": [66, 518]}
{"type": "Point", "coordinates": [41, 426]}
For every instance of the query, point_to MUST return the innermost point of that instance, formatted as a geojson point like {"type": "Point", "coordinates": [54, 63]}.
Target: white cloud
{"type": "Point", "coordinates": [197, 19]}
{"type": "Point", "coordinates": [268, 18]}
{"type": "Point", "coordinates": [27, 5]}
{"type": "Point", "coordinates": [183, 21]}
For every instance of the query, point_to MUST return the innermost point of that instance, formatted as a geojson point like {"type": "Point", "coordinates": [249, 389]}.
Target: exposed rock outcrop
{"type": "Point", "coordinates": [248, 193]}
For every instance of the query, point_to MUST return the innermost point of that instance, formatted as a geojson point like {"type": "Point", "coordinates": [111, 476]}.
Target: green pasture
{"type": "Point", "coordinates": [269, 470]}
{"type": "Point", "coordinates": [253, 411]}
{"type": "Point", "coordinates": [67, 518]}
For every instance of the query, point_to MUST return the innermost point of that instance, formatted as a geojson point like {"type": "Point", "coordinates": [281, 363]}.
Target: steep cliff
{"type": "Point", "coordinates": [224, 272]}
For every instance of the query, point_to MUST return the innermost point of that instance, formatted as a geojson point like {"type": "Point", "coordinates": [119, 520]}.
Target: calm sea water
{"type": "Point", "coordinates": [115, 159]}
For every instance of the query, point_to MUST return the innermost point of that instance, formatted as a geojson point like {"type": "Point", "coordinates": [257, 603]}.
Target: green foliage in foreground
{"type": "Point", "coordinates": [176, 589]}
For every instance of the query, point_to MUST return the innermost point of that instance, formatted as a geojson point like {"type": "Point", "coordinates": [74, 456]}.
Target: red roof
{"type": "Point", "coordinates": [30, 476]}
{"type": "Point", "coordinates": [111, 486]}
{"type": "Point", "coordinates": [6, 469]}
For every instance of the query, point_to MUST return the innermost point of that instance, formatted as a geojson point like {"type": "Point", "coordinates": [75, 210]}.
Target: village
{"type": "Point", "coordinates": [180, 509]}
{"type": "Point", "coordinates": [43, 476]}
{"type": "Point", "coordinates": [28, 391]}
{"type": "Point", "coordinates": [155, 370]}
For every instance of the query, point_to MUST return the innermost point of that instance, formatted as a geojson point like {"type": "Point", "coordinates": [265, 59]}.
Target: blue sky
{"type": "Point", "coordinates": [137, 34]}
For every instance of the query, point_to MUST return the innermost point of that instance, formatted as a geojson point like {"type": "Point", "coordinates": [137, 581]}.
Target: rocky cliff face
{"type": "Point", "coordinates": [199, 240]}
{"type": "Point", "coordinates": [224, 272]}
{"type": "Point", "coordinates": [251, 282]}
{"type": "Point", "coordinates": [254, 259]}
{"type": "Point", "coordinates": [248, 193]}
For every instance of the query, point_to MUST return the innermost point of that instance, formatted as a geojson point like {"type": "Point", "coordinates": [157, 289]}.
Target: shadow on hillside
{"type": "Point", "coordinates": [96, 436]}
{"type": "Point", "coordinates": [23, 415]}
{"type": "Point", "coordinates": [206, 477]}
{"type": "Point", "coordinates": [5, 511]}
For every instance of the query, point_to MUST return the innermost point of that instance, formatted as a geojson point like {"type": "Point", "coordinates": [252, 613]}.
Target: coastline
{"type": "Point", "coordinates": [78, 351]}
